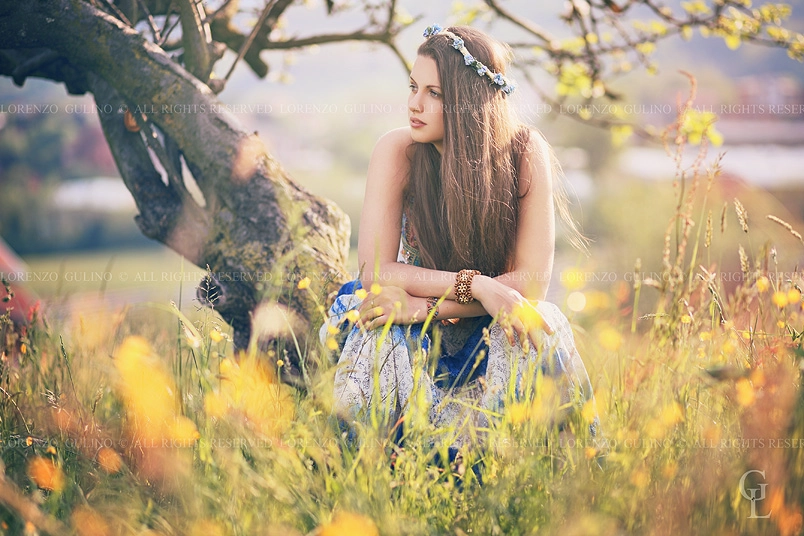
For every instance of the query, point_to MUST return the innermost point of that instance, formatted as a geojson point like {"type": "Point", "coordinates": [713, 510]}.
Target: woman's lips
{"type": "Point", "coordinates": [416, 123]}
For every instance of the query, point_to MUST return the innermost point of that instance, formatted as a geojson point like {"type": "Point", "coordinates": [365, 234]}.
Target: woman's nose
{"type": "Point", "coordinates": [414, 103]}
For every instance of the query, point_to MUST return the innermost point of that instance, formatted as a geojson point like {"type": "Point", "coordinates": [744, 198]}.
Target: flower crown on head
{"type": "Point", "coordinates": [498, 80]}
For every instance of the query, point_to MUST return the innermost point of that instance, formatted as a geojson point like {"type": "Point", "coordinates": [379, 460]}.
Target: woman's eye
{"type": "Point", "coordinates": [435, 94]}
{"type": "Point", "coordinates": [412, 87]}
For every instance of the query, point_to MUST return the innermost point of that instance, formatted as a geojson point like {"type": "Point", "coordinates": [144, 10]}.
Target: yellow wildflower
{"type": "Point", "coordinates": [46, 474]}
{"type": "Point", "coordinates": [253, 389]}
{"type": "Point", "coordinates": [347, 524]}
{"type": "Point", "coordinates": [779, 299]}
{"type": "Point", "coordinates": [705, 336]}
{"type": "Point", "coordinates": [745, 392]}
{"type": "Point", "coordinates": [149, 393]}
{"type": "Point", "coordinates": [226, 367]}
{"type": "Point", "coordinates": [376, 289]}
{"type": "Point", "coordinates": [686, 319]}
{"type": "Point", "coordinates": [640, 478]}
{"type": "Point", "coordinates": [215, 405]}
{"type": "Point", "coordinates": [353, 315]}
{"type": "Point", "coordinates": [589, 411]}
{"type": "Point", "coordinates": [518, 412]}
{"type": "Point", "coordinates": [361, 293]}
{"type": "Point", "coordinates": [672, 414]}
{"type": "Point", "coordinates": [332, 344]}
{"type": "Point", "coordinates": [184, 431]}
{"type": "Point", "coordinates": [670, 470]}
{"type": "Point", "coordinates": [304, 283]}
{"type": "Point", "coordinates": [88, 522]}
{"type": "Point", "coordinates": [109, 460]}
{"type": "Point", "coordinates": [216, 335]}
{"type": "Point", "coordinates": [610, 339]}
{"type": "Point", "coordinates": [763, 284]}
{"type": "Point", "coordinates": [529, 316]}
{"type": "Point", "coordinates": [793, 295]}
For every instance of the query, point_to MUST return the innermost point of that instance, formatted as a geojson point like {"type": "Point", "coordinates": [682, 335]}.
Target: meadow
{"type": "Point", "coordinates": [142, 419]}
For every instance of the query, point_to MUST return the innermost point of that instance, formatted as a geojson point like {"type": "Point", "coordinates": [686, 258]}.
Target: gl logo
{"type": "Point", "coordinates": [754, 494]}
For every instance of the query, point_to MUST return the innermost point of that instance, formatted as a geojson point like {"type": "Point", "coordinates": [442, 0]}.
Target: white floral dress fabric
{"type": "Point", "coordinates": [390, 367]}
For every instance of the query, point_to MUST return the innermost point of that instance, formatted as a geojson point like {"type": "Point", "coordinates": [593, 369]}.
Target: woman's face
{"type": "Point", "coordinates": [425, 113]}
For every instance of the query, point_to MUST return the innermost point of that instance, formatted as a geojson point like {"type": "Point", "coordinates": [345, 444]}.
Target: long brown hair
{"type": "Point", "coordinates": [464, 204]}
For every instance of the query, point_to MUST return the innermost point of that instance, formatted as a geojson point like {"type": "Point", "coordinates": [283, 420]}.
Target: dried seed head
{"type": "Point", "coordinates": [786, 226]}
{"type": "Point", "coordinates": [723, 218]}
{"type": "Point", "coordinates": [708, 235]}
{"type": "Point", "coordinates": [744, 266]}
{"type": "Point", "coordinates": [742, 214]}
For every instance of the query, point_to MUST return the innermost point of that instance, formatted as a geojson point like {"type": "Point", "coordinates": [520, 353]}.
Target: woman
{"type": "Point", "coordinates": [470, 191]}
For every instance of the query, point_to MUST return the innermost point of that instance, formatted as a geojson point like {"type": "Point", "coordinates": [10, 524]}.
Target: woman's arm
{"type": "Point", "coordinates": [380, 226]}
{"type": "Point", "coordinates": [378, 245]}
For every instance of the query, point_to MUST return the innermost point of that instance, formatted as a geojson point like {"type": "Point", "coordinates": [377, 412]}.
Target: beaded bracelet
{"type": "Point", "coordinates": [432, 303]}
{"type": "Point", "coordinates": [463, 286]}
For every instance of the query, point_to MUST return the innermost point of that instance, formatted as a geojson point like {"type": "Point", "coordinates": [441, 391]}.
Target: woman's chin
{"type": "Point", "coordinates": [420, 137]}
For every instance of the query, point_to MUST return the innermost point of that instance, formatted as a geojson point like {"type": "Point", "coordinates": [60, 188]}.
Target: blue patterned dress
{"type": "Point", "coordinates": [472, 376]}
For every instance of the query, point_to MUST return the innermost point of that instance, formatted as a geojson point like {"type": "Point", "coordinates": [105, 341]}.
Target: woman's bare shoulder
{"type": "Point", "coordinates": [389, 161]}
{"type": "Point", "coordinates": [396, 140]}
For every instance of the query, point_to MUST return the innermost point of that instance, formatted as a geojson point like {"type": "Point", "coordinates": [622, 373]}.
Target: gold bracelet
{"type": "Point", "coordinates": [432, 303]}
{"type": "Point", "coordinates": [463, 286]}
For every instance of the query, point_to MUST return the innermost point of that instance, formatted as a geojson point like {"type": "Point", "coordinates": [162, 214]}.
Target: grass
{"type": "Point", "coordinates": [144, 420]}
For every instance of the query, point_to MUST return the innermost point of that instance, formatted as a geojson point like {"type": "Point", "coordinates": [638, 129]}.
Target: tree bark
{"type": "Point", "coordinates": [256, 230]}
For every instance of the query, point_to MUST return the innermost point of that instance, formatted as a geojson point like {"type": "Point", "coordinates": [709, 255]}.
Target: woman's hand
{"type": "Point", "coordinates": [391, 303]}
{"type": "Point", "coordinates": [510, 307]}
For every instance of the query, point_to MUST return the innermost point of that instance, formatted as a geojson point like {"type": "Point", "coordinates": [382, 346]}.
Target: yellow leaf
{"type": "Point", "coordinates": [686, 33]}
{"type": "Point", "coordinates": [646, 48]}
{"type": "Point", "coordinates": [620, 134]}
{"type": "Point", "coordinates": [733, 41]}
{"type": "Point", "coordinates": [695, 7]}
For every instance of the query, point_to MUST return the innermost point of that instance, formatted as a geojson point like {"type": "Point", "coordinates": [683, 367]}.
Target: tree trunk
{"type": "Point", "coordinates": [255, 230]}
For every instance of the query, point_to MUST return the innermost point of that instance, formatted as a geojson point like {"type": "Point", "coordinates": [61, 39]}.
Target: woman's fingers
{"type": "Point", "coordinates": [518, 331]}
{"type": "Point", "coordinates": [370, 315]}
{"type": "Point", "coordinates": [527, 312]}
